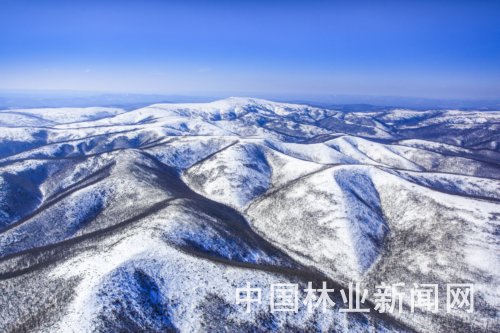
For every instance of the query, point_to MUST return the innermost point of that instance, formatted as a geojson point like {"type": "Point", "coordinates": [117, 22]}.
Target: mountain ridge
{"type": "Point", "coordinates": [243, 190]}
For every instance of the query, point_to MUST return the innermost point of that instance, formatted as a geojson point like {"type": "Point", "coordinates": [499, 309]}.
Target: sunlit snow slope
{"type": "Point", "coordinates": [147, 220]}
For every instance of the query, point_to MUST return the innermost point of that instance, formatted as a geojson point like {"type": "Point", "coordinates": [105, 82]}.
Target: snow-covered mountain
{"type": "Point", "coordinates": [148, 220]}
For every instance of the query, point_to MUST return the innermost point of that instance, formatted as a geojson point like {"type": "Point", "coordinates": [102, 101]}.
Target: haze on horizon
{"type": "Point", "coordinates": [449, 49]}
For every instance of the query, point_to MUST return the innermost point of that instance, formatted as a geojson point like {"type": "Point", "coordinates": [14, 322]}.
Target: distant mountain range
{"type": "Point", "coordinates": [14, 99]}
{"type": "Point", "coordinates": [148, 219]}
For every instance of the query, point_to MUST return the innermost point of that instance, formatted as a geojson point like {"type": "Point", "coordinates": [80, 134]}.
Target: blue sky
{"type": "Point", "coordinates": [434, 49]}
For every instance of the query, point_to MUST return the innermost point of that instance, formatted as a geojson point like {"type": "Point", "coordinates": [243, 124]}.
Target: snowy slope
{"type": "Point", "coordinates": [147, 220]}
